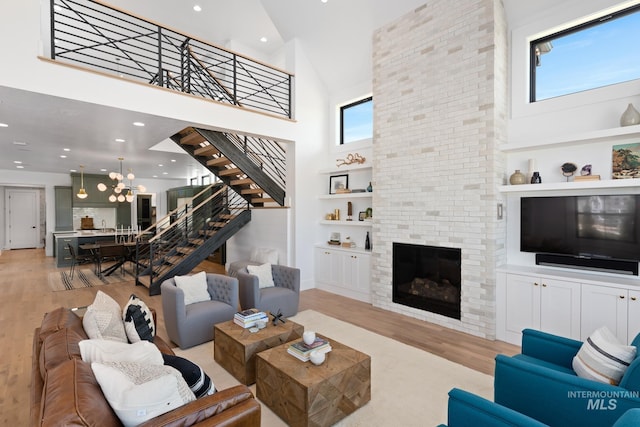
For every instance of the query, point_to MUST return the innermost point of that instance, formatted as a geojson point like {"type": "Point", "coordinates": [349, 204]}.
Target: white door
{"type": "Point", "coordinates": [23, 219]}
{"type": "Point", "coordinates": [604, 306]}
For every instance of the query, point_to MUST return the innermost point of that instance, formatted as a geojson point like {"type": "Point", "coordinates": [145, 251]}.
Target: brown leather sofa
{"type": "Point", "coordinates": [64, 390]}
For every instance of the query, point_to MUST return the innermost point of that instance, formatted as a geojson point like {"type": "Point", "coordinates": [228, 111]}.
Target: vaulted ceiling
{"type": "Point", "coordinates": [335, 35]}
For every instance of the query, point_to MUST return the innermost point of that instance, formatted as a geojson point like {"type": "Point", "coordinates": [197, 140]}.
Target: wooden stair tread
{"type": "Point", "coordinates": [185, 250]}
{"type": "Point", "coordinates": [197, 241]}
{"type": "Point", "coordinates": [193, 138]}
{"type": "Point", "coordinates": [219, 161]}
{"type": "Point", "coordinates": [173, 260]}
{"type": "Point", "coordinates": [207, 150]}
{"type": "Point", "coordinates": [252, 191]}
{"type": "Point", "coordinates": [229, 171]}
{"type": "Point", "coordinates": [243, 181]}
{"type": "Point", "coordinates": [207, 233]}
{"type": "Point", "coordinates": [262, 200]}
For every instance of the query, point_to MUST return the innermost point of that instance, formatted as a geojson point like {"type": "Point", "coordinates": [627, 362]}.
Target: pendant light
{"type": "Point", "coordinates": [82, 193]}
{"type": "Point", "coordinates": [121, 192]}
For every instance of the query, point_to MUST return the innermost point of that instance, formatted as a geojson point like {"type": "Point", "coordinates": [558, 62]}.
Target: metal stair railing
{"type": "Point", "coordinates": [185, 232]}
{"type": "Point", "coordinates": [99, 37]}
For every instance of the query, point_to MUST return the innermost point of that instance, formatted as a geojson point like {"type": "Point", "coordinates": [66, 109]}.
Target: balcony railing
{"type": "Point", "coordinates": [99, 37]}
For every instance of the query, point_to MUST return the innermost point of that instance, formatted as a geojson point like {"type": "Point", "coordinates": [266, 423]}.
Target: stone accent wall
{"type": "Point", "coordinates": [440, 105]}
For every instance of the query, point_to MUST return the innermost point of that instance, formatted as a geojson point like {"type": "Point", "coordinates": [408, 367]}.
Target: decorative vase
{"type": "Point", "coordinates": [517, 178]}
{"type": "Point", "coordinates": [367, 242]}
{"type": "Point", "coordinates": [317, 357]}
{"type": "Point", "coordinates": [535, 178]}
{"type": "Point", "coordinates": [308, 337]}
{"type": "Point", "coordinates": [630, 117]}
{"type": "Point", "coordinates": [369, 188]}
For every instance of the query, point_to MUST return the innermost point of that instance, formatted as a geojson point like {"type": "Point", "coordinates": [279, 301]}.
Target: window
{"type": "Point", "coordinates": [356, 121]}
{"type": "Point", "coordinates": [598, 53]}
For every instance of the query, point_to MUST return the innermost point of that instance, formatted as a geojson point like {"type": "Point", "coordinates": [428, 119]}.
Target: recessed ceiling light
{"type": "Point", "coordinates": [173, 160]}
{"type": "Point", "coordinates": [138, 124]}
{"type": "Point", "coordinates": [72, 170]}
{"type": "Point", "coordinates": [165, 173]}
{"type": "Point", "coordinates": [20, 167]}
{"type": "Point", "coordinates": [161, 165]}
{"type": "Point", "coordinates": [263, 39]}
{"type": "Point", "coordinates": [17, 162]}
{"type": "Point", "coordinates": [103, 170]}
{"type": "Point", "coordinates": [66, 149]}
{"type": "Point", "coordinates": [197, 8]}
{"type": "Point", "coordinates": [62, 156]}
{"type": "Point", "coordinates": [19, 143]}
{"type": "Point", "coordinates": [155, 176]}
{"type": "Point", "coordinates": [4, 125]}
{"type": "Point", "coordinates": [323, 1]}
{"type": "Point", "coordinates": [120, 139]}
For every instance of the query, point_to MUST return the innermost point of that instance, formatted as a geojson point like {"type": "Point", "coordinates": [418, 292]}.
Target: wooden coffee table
{"type": "Point", "coordinates": [303, 394]}
{"type": "Point", "coordinates": [235, 348]}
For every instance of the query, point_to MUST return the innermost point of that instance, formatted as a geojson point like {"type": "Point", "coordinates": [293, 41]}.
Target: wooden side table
{"type": "Point", "coordinates": [235, 348]}
{"type": "Point", "coordinates": [303, 394]}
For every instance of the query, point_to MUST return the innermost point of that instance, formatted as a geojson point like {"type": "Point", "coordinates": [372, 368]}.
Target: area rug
{"type": "Point", "coordinates": [408, 386]}
{"type": "Point", "coordinates": [84, 278]}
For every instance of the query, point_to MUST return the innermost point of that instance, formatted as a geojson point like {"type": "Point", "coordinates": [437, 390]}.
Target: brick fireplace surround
{"type": "Point", "coordinates": [440, 114]}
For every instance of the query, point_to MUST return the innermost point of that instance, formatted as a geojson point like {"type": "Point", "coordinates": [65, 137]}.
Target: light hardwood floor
{"type": "Point", "coordinates": [26, 297]}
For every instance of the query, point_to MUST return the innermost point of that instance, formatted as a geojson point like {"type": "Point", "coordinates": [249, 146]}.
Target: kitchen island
{"type": "Point", "coordinates": [77, 238]}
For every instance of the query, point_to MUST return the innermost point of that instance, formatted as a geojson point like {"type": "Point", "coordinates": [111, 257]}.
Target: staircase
{"type": "Point", "coordinates": [254, 167]}
{"type": "Point", "coordinates": [186, 236]}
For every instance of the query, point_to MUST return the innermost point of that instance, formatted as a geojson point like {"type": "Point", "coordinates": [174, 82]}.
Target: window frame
{"type": "Point", "coordinates": [346, 107]}
{"type": "Point", "coordinates": [574, 29]}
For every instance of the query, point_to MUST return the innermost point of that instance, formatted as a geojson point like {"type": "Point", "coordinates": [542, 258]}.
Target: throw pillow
{"type": "Point", "coordinates": [264, 274]}
{"type": "Point", "coordinates": [103, 319]}
{"type": "Point", "coordinates": [264, 256]}
{"type": "Point", "coordinates": [197, 380]}
{"type": "Point", "coordinates": [603, 358]}
{"type": "Point", "coordinates": [138, 320]}
{"type": "Point", "coordinates": [194, 287]}
{"type": "Point", "coordinates": [138, 392]}
{"type": "Point", "coordinates": [103, 351]}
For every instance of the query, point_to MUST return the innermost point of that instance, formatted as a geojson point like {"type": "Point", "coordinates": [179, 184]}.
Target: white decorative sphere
{"type": "Point", "coordinates": [308, 337]}
{"type": "Point", "coordinates": [317, 357]}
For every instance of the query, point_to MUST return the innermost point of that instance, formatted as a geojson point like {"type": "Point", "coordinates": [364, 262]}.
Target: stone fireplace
{"type": "Point", "coordinates": [428, 278]}
{"type": "Point", "coordinates": [440, 78]}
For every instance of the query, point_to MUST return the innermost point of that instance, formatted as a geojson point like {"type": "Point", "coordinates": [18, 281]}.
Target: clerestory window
{"type": "Point", "coordinates": [598, 53]}
{"type": "Point", "coordinates": [356, 121]}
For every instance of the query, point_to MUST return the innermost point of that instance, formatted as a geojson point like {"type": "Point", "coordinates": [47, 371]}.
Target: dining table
{"type": "Point", "coordinates": [109, 251]}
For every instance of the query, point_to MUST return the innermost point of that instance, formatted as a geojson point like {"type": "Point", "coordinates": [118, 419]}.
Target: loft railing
{"type": "Point", "coordinates": [102, 38]}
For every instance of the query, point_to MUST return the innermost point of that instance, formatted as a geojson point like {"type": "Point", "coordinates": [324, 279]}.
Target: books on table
{"type": "Point", "coordinates": [248, 318]}
{"type": "Point", "coordinates": [303, 351]}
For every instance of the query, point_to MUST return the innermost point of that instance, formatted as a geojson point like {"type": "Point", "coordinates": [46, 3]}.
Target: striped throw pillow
{"type": "Point", "coordinates": [603, 358]}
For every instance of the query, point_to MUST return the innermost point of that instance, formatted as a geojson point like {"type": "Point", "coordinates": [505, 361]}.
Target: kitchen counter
{"type": "Point", "coordinates": [75, 239]}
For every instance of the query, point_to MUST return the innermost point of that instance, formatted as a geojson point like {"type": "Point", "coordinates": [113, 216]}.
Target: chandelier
{"type": "Point", "coordinates": [121, 191]}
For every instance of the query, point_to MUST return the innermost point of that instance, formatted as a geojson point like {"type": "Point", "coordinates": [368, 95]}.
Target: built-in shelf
{"type": "Point", "coordinates": [559, 186]}
{"type": "Point", "coordinates": [602, 135]}
{"type": "Point", "coordinates": [357, 249]}
{"type": "Point", "coordinates": [346, 196]}
{"type": "Point", "coordinates": [346, 168]}
{"type": "Point", "coordinates": [354, 223]}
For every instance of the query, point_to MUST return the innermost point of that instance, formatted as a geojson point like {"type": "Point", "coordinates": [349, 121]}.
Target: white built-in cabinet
{"type": "Point", "coordinates": [344, 271]}
{"type": "Point", "coordinates": [616, 308]}
{"type": "Point", "coordinates": [565, 303]}
{"type": "Point", "coordinates": [541, 303]}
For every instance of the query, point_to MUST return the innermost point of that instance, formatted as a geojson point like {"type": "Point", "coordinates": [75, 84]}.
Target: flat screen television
{"type": "Point", "coordinates": [587, 227]}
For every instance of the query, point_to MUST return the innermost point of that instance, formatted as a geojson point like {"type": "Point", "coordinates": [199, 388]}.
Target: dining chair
{"type": "Point", "coordinates": [77, 259]}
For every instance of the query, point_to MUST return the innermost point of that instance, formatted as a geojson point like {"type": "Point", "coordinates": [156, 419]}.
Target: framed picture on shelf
{"type": "Point", "coordinates": [337, 183]}
{"type": "Point", "coordinates": [361, 216]}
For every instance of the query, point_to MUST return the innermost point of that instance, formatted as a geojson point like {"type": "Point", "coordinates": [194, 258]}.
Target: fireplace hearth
{"type": "Point", "coordinates": [427, 278]}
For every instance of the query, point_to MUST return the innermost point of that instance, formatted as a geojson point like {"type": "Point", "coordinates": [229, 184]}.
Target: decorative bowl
{"type": "Point", "coordinates": [317, 357]}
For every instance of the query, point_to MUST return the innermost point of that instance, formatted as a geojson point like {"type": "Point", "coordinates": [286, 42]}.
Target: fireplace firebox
{"type": "Point", "coordinates": [427, 278]}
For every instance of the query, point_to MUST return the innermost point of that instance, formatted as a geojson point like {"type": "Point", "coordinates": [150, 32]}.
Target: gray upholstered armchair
{"type": "Point", "coordinates": [283, 297]}
{"type": "Point", "coordinates": [189, 325]}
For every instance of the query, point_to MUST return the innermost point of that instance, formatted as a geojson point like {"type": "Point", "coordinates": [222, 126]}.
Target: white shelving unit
{"type": "Point", "coordinates": [602, 135]}
{"type": "Point", "coordinates": [354, 223]}
{"type": "Point", "coordinates": [346, 169]}
{"type": "Point", "coordinates": [563, 186]}
{"type": "Point", "coordinates": [346, 196]}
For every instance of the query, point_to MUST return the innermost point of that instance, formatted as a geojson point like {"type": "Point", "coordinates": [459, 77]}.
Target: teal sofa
{"type": "Point", "coordinates": [541, 384]}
